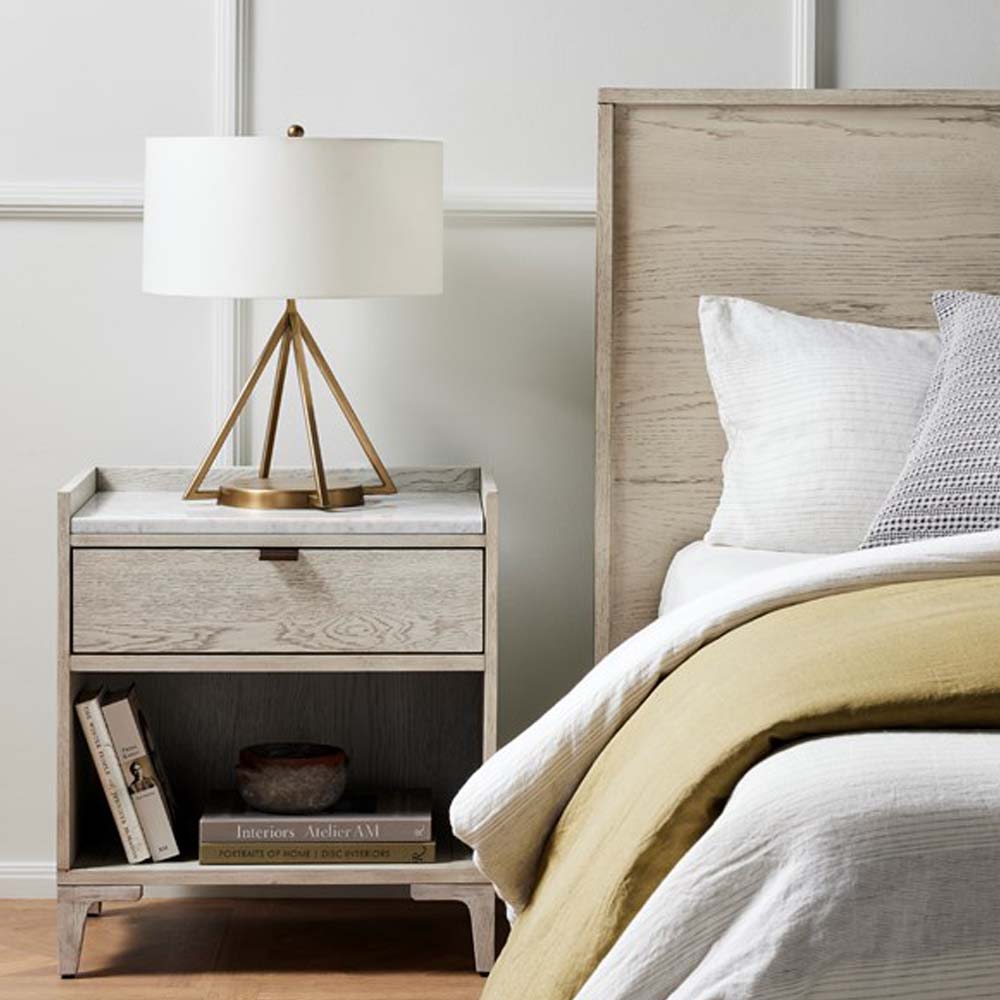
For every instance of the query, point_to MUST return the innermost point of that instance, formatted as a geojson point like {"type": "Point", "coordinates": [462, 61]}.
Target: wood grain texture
{"type": "Point", "coordinates": [124, 663]}
{"type": "Point", "coordinates": [723, 97]}
{"type": "Point", "coordinates": [97, 869]}
{"type": "Point", "coordinates": [848, 205]}
{"type": "Point", "coordinates": [603, 325]}
{"type": "Point", "coordinates": [239, 949]}
{"type": "Point", "coordinates": [491, 585]}
{"type": "Point", "coordinates": [230, 601]}
{"type": "Point", "coordinates": [481, 902]}
{"type": "Point", "coordinates": [68, 501]}
{"type": "Point", "coordinates": [75, 904]}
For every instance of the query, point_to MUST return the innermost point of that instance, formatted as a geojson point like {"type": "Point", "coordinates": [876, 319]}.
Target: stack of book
{"type": "Point", "coordinates": [133, 781]}
{"type": "Point", "coordinates": [383, 828]}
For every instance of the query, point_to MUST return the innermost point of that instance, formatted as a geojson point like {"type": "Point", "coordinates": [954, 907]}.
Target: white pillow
{"type": "Point", "coordinates": [818, 414]}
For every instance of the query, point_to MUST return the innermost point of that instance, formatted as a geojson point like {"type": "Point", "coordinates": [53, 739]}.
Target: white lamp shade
{"type": "Point", "coordinates": [255, 217]}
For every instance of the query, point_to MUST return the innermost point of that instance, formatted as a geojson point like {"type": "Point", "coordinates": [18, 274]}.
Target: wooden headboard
{"type": "Point", "coordinates": [852, 204]}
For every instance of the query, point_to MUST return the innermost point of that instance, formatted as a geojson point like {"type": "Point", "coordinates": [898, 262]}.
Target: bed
{"type": "Point", "coordinates": [785, 785]}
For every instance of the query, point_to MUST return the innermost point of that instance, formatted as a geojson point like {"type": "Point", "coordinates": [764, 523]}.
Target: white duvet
{"type": "Point", "coordinates": [767, 904]}
{"type": "Point", "coordinates": [850, 867]}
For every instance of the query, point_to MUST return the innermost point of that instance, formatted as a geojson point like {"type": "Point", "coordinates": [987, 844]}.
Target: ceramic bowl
{"type": "Point", "coordinates": [291, 777]}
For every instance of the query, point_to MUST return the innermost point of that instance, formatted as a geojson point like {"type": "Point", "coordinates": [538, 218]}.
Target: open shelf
{"type": "Point", "coordinates": [387, 723]}
{"type": "Point", "coordinates": [454, 866]}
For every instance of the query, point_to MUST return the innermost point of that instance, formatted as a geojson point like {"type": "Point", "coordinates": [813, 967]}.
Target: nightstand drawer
{"type": "Point", "coordinates": [315, 601]}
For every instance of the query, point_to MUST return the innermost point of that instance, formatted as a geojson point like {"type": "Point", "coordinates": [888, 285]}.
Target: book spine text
{"type": "Point", "coordinates": [95, 732]}
{"type": "Point", "coordinates": [232, 831]}
{"type": "Point", "coordinates": [142, 781]}
{"type": "Point", "coordinates": [315, 854]}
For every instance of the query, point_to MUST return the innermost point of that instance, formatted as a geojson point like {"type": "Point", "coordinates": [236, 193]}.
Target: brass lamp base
{"type": "Point", "coordinates": [264, 493]}
{"type": "Point", "coordinates": [286, 494]}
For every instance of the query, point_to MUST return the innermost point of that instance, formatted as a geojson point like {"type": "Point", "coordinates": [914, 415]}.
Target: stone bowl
{"type": "Point", "coordinates": [291, 778]}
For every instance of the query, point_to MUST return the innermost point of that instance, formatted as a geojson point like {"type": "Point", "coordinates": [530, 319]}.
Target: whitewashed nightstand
{"type": "Point", "coordinates": [373, 628]}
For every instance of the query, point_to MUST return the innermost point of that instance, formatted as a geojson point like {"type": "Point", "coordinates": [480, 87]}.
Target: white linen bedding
{"type": "Point", "coordinates": [507, 809]}
{"type": "Point", "coordinates": [884, 845]}
{"type": "Point", "coordinates": [699, 567]}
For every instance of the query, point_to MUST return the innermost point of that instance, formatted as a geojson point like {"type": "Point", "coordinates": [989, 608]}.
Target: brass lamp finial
{"type": "Point", "coordinates": [296, 131]}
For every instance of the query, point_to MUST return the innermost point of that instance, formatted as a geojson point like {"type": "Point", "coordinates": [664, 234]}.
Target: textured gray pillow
{"type": "Point", "coordinates": [950, 483]}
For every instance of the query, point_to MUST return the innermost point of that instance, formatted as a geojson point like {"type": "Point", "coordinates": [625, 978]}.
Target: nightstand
{"type": "Point", "coordinates": [373, 627]}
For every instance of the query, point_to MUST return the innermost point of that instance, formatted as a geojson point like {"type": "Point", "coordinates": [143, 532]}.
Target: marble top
{"type": "Point", "coordinates": [137, 512]}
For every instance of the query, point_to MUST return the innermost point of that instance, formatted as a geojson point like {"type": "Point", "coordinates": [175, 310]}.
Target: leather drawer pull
{"type": "Point", "coordinates": [279, 555]}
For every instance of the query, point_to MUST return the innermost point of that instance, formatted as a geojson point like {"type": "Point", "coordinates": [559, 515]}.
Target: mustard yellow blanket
{"type": "Point", "coordinates": [908, 655]}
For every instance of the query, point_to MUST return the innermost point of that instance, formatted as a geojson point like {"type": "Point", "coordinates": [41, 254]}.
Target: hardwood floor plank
{"type": "Point", "coordinates": [259, 949]}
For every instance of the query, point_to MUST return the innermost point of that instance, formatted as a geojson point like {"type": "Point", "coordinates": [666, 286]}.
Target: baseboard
{"type": "Point", "coordinates": [27, 880]}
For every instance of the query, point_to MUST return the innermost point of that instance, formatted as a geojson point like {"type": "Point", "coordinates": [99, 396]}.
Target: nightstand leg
{"type": "Point", "coordinates": [75, 903]}
{"type": "Point", "coordinates": [481, 901]}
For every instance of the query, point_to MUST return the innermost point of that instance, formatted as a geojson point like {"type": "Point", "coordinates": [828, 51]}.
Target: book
{"type": "Point", "coordinates": [383, 816]}
{"type": "Point", "coordinates": [102, 752]}
{"type": "Point", "coordinates": [315, 853]}
{"type": "Point", "coordinates": [144, 778]}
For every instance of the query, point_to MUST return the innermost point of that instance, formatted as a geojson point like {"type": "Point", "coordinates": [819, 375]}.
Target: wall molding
{"type": "Point", "coordinates": [804, 44]}
{"type": "Point", "coordinates": [70, 201]}
{"type": "Point", "coordinates": [521, 205]}
{"type": "Point", "coordinates": [231, 112]}
{"type": "Point", "coordinates": [124, 201]}
{"type": "Point", "coordinates": [232, 335]}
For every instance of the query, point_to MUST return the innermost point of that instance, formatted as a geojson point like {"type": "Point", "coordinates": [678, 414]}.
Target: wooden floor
{"type": "Point", "coordinates": [215, 949]}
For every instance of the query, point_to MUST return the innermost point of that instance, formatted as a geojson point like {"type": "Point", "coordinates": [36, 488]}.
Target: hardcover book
{"type": "Point", "coordinates": [395, 816]}
{"type": "Point", "coordinates": [102, 751]}
{"type": "Point", "coordinates": [143, 775]}
{"type": "Point", "coordinates": [315, 853]}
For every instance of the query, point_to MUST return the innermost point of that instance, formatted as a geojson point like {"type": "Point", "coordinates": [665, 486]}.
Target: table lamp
{"type": "Point", "coordinates": [292, 218]}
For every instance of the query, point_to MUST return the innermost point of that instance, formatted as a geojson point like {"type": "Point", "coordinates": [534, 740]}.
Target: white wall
{"type": "Point", "coordinates": [910, 43]}
{"type": "Point", "coordinates": [498, 370]}
{"type": "Point", "coordinates": [92, 370]}
{"type": "Point", "coordinates": [510, 87]}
